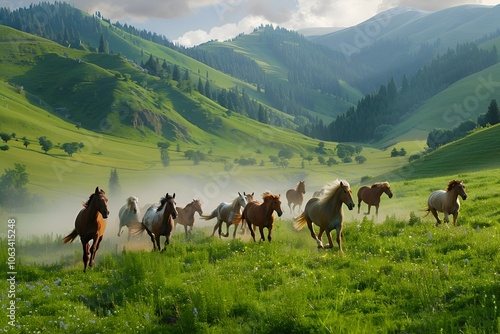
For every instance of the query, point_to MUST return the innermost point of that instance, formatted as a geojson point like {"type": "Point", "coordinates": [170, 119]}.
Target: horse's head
{"type": "Point", "coordinates": [387, 189]}
{"type": "Point", "coordinates": [100, 202]}
{"type": "Point", "coordinates": [275, 203]}
{"type": "Point", "coordinates": [459, 186]}
{"type": "Point", "coordinates": [242, 199]}
{"type": "Point", "coordinates": [301, 187]}
{"type": "Point", "coordinates": [197, 206]}
{"type": "Point", "coordinates": [133, 204]}
{"type": "Point", "coordinates": [249, 197]}
{"type": "Point", "coordinates": [346, 195]}
{"type": "Point", "coordinates": [170, 205]}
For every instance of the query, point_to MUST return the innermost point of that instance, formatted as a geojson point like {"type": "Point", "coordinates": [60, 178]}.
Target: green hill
{"type": "Point", "coordinates": [478, 151]}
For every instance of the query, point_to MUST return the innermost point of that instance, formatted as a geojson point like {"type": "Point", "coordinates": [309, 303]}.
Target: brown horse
{"type": "Point", "coordinates": [296, 196]}
{"type": "Point", "coordinates": [327, 213]}
{"type": "Point", "coordinates": [90, 224]}
{"type": "Point", "coordinates": [262, 215]}
{"type": "Point", "coordinates": [186, 215]}
{"type": "Point", "coordinates": [371, 195]}
{"type": "Point", "coordinates": [158, 221]}
{"type": "Point", "coordinates": [447, 201]}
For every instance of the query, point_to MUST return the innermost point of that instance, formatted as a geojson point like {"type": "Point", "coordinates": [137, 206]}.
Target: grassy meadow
{"type": "Point", "coordinates": [399, 274]}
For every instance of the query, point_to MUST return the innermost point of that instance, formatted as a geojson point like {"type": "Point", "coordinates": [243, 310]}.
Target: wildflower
{"type": "Point", "coordinates": [58, 281]}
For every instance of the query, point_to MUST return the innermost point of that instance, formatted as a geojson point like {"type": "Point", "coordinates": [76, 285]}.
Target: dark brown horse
{"type": "Point", "coordinates": [90, 224]}
{"type": "Point", "coordinates": [186, 215]}
{"type": "Point", "coordinates": [447, 201]}
{"type": "Point", "coordinates": [296, 196]}
{"type": "Point", "coordinates": [262, 215]}
{"type": "Point", "coordinates": [327, 213]}
{"type": "Point", "coordinates": [158, 221]}
{"type": "Point", "coordinates": [371, 195]}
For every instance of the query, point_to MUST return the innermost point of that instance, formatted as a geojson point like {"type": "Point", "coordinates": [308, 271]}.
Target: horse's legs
{"type": "Point", "coordinates": [94, 250]}
{"type": "Point", "coordinates": [339, 239]}
{"type": "Point", "coordinates": [359, 204]}
{"type": "Point", "coordinates": [157, 239]}
{"type": "Point", "coordinates": [252, 232]}
{"type": "Point", "coordinates": [151, 235]}
{"type": "Point", "coordinates": [216, 227]}
{"type": "Point", "coordinates": [269, 234]}
{"type": "Point", "coordinates": [86, 248]}
{"type": "Point", "coordinates": [446, 217]}
{"type": "Point", "coordinates": [290, 206]}
{"type": "Point", "coordinates": [261, 230]}
{"type": "Point", "coordinates": [435, 214]}
{"type": "Point", "coordinates": [455, 216]}
{"type": "Point", "coordinates": [227, 229]}
{"type": "Point", "coordinates": [369, 207]}
{"type": "Point", "coordinates": [313, 235]}
{"type": "Point", "coordinates": [186, 230]}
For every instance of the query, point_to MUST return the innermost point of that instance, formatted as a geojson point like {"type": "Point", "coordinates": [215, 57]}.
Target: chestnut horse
{"type": "Point", "coordinates": [447, 201]}
{"type": "Point", "coordinates": [296, 196]}
{"type": "Point", "coordinates": [371, 195]}
{"type": "Point", "coordinates": [129, 214]}
{"type": "Point", "coordinates": [327, 213]}
{"type": "Point", "coordinates": [186, 215]}
{"type": "Point", "coordinates": [262, 215]}
{"type": "Point", "coordinates": [226, 212]}
{"type": "Point", "coordinates": [90, 224]}
{"type": "Point", "coordinates": [159, 221]}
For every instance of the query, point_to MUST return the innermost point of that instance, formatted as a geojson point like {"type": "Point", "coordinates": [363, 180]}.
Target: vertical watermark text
{"type": "Point", "coordinates": [11, 271]}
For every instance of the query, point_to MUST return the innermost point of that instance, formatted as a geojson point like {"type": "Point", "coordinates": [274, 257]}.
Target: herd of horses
{"type": "Point", "coordinates": [324, 210]}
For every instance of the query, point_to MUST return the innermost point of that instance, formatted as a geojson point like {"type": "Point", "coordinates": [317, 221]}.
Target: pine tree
{"type": "Point", "coordinates": [493, 114]}
{"type": "Point", "coordinates": [200, 87]}
{"type": "Point", "coordinates": [114, 184]}
{"type": "Point", "coordinates": [103, 45]}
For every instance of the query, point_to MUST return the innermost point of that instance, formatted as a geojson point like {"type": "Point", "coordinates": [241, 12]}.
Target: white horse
{"type": "Point", "coordinates": [447, 201]}
{"type": "Point", "coordinates": [226, 212]}
{"type": "Point", "coordinates": [129, 215]}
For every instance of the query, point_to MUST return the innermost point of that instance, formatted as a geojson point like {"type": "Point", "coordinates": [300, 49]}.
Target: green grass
{"type": "Point", "coordinates": [400, 275]}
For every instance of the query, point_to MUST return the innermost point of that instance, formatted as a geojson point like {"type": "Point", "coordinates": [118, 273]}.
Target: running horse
{"type": "Point", "coordinates": [186, 215]}
{"type": "Point", "coordinates": [296, 196]}
{"type": "Point", "coordinates": [226, 212]}
{"type": "Point", "coordinates": [371, 195]}
{"type": "Point", "coordinates": [327, 213]}
{"type": "Point", "coordinates": [261, 215]}
{"type": "Point", "coordinates": [447, 201]}
{"type": "Point", "coordinates": [129, 215]}
{"type": "Point", "coordinates": [90, 224]}
{"type": "Point", "coordinates": [159, 221]}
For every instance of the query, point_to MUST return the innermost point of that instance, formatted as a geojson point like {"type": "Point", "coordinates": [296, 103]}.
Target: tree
{"type": "Point", "coordinates": [394, 152]}
{"type": "Point", "coordinates": [4, 148]}
{"type": "Point", "coordinates": [200, 87]}
{"type": "Point", "coordinates": [103, 45]}
{"type": "Point", "coordinates": [114, 184]}
{"type": "Point", "coordinates": [71, 148]}
{"type": "Point", "coordinates": [26, 142]}
{"type": "Point", "coordinates": [5, 137]}
{"type": "Point", "coordinates": [360, 159]}
{"type": "Point", "coordinates": [402, 152]}
{"type": "Point", "coordinates": [165, 157]}
{"type": "Point", "coordinates": [285, 153]}
{"type": "Point", "coordinates": [12, 186]}
{"type": "Point", "coordinates": [493, 114]}
{"type": "Point", "coordinates": [45, 143]}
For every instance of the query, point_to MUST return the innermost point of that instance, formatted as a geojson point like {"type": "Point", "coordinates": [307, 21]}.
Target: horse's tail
{"type": "Point", "coordinates": [70, 237]}
{"type": "Point", "coordinates": [300, 221]}
{"type": "Point", "coordinates": [210, 216]}
{"type": "Point", "coordinates": [136, 228]}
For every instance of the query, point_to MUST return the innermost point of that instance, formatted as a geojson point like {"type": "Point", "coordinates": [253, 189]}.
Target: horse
{"type": "Point", "coordinates": [371, 195]}
{"type": "Point", "coordinates": [327, 213]}
{"type": "Point", "coordinates": [90, 224]}
{"type": "Point", "coordinates": [159, 221]}
{"type": "Point", "coordinates": [186, 215]}
{"type": "Point", "coordinates": [296, 196]}
{"type": "Point", "coordinates": [129, 214]}
{"type": "Point", "coordinates": [226, 212]}
{"type": "Point", "coordinates": [447, 201]}
{"type": "Point", "coordinates": [262, 215]}
{"type": "Point", "coordinates": [319, 193]}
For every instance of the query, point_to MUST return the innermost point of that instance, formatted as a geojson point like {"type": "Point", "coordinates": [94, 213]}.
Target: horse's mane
{"type": "Point", "coordinates": [330, 190]}
{"type": "Point", "coordinates": [452, 183]}
{"type": "Point", "coordinates": [91, 197]}
{"type": "Point", "coordinates": [268, 196]}
{"type": "Point", "coordinates": [163, 200]}
{"type": "Point", "coordinates": [236, 202]}
{"type": "Point", "coordinates": [381, 184]}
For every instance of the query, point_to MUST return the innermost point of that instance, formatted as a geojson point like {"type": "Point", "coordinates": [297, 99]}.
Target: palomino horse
{"type": "Point", "coordinates": [129, 214]}
{"type": "Point", "coordinates": [327, 213]}
{"type": "Point", "coordinates": [226, 212]}
{"type": "Point", "coordinates": [159, 221]}
{"type": "Point", "coordinates": [262, 215]}
{"type": "Point", "coordinates": [371, 195]}
{"type": "Point", "coordinates": [296, 196]}
{"type": "Point", "coordinates": [90, 224]}
{"type": "Point", "coordinates": [186, 215]}
{"type": "Point", "coordinates": [447, 201]}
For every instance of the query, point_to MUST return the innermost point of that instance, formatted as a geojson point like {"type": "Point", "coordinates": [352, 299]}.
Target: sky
{"type": "Point", "coordinates": [192, 22]}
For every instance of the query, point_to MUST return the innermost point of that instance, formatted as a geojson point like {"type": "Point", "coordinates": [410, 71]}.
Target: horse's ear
{"type": "Point", "coordinates": [239, 193]}
{"type": "Point", "coordinates": [97, 190]}
{"type": "Point", "coordinates": [173, 196]}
